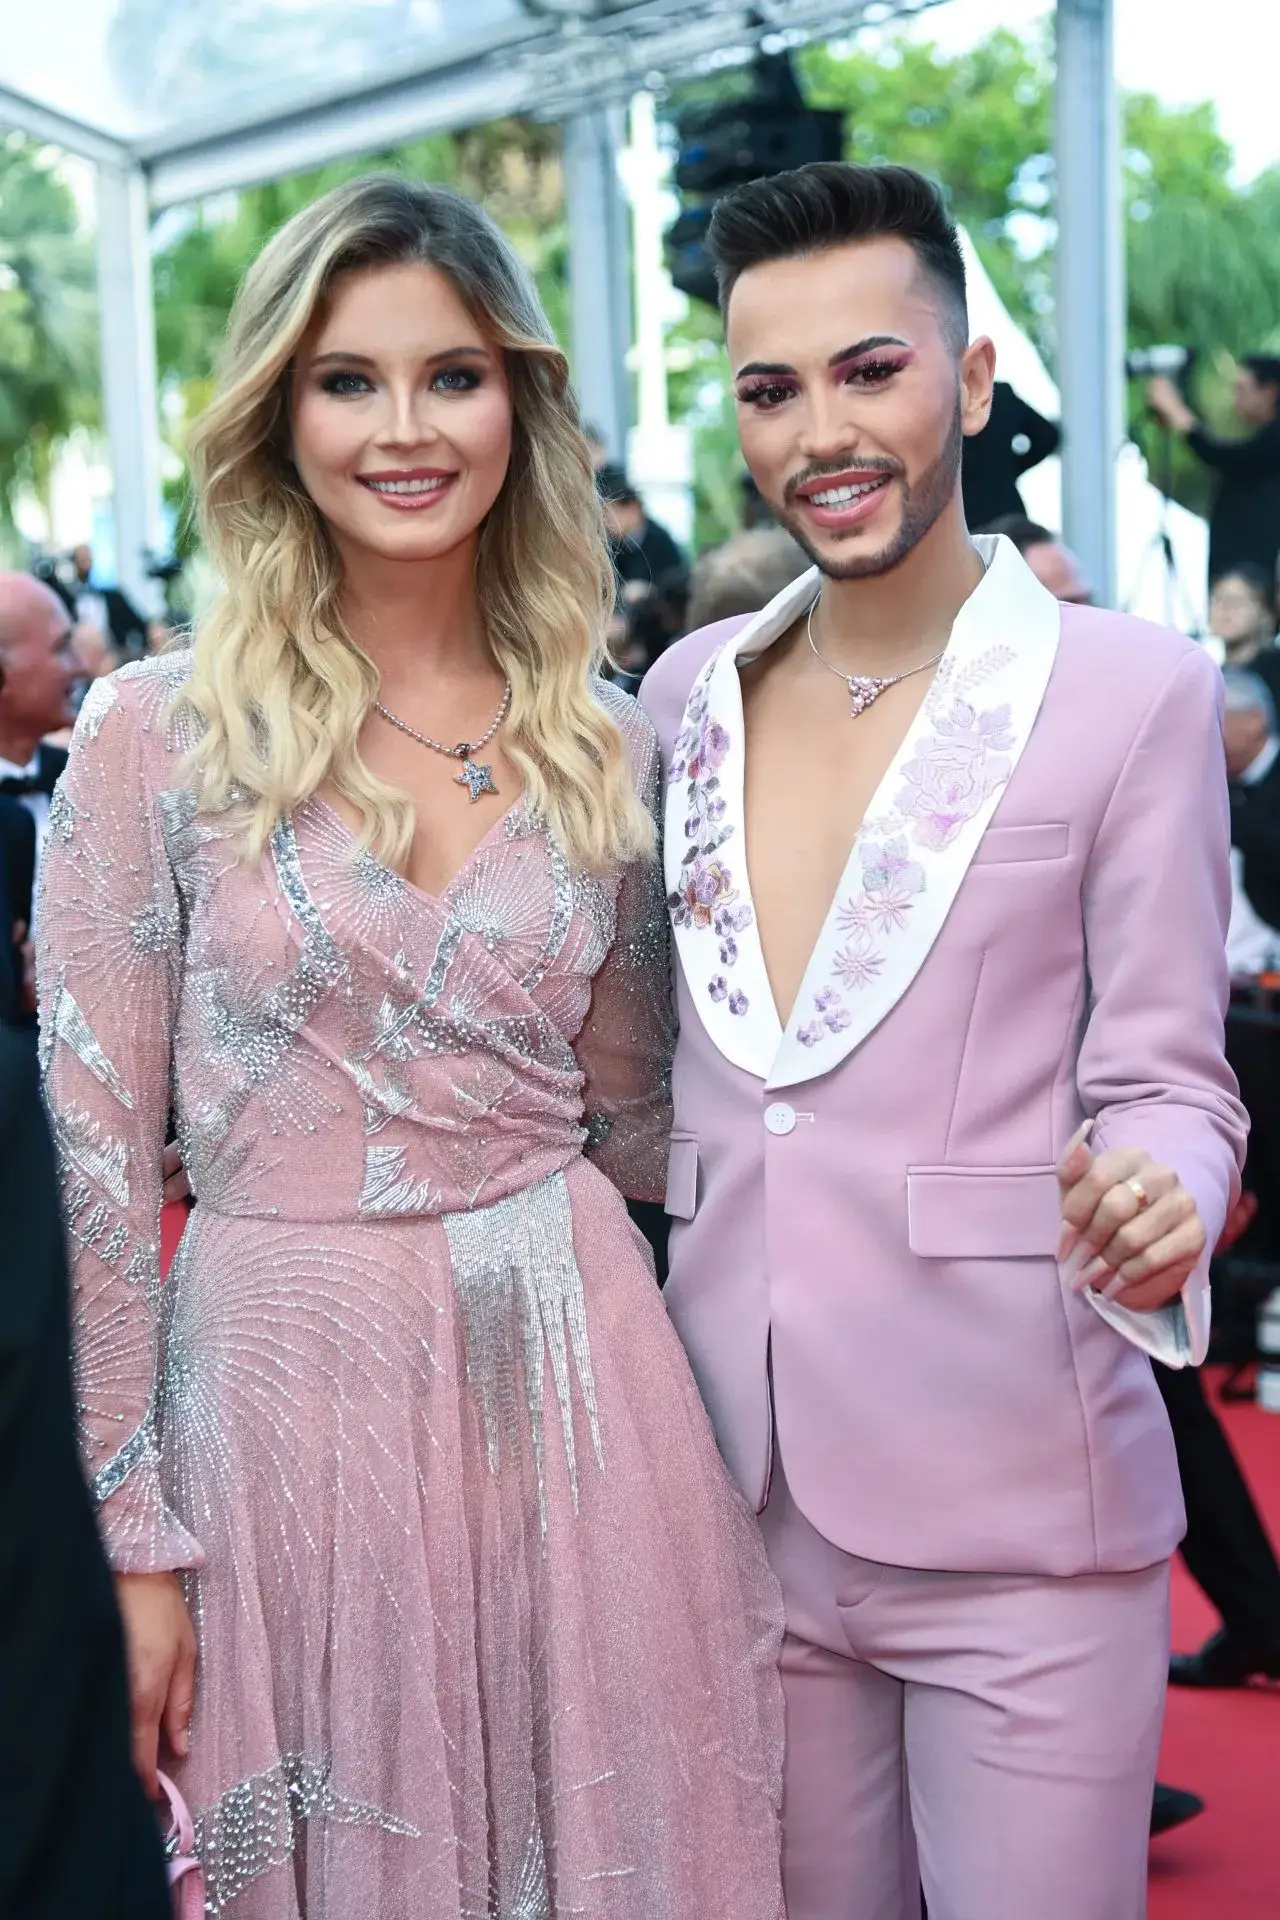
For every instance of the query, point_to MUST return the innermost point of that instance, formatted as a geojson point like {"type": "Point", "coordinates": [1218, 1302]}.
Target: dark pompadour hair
{"type": "Point", "coordinates": [829, 204]}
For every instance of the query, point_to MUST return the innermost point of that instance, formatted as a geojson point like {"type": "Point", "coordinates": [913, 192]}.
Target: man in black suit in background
{"type": "Point", "coordinates": [17, 880]}
{"type": "Point", "coordinates": [1015, 439]}
{"type": "Point", "coordinates": [108, 608]}
{"type": "Point", "coordinates": [38, 673]}
{"type": "Point", "coordinates": [1253, 768]}
{"type": "Point", "coordinates": [77, 1838]}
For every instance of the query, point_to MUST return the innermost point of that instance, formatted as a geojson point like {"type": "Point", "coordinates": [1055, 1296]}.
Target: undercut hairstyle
{"type": "Point", "coordinates": [830, 204]}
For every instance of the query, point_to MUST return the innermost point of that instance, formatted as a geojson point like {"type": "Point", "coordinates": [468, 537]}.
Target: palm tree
{"type": "Point", "coordinates": [48, 336]}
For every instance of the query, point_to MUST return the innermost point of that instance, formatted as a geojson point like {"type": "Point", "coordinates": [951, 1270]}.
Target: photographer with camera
{"type": "Point", "coordinates": [1244, 525]}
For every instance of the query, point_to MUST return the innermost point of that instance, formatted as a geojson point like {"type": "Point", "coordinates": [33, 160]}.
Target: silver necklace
{"type": "Point", "coordinates": [476, 776]}
{"type": "Point", "coordinates": [865, 688]}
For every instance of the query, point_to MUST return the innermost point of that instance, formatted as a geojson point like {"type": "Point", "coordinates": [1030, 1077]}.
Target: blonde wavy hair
{"type": "Point", "coordinates": [281, 686]}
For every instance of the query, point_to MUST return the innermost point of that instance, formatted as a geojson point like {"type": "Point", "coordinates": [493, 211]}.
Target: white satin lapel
{"type": "Point", "coordinates": [704, 841]}
{"type": "Point", "coordinates": [927, 817]}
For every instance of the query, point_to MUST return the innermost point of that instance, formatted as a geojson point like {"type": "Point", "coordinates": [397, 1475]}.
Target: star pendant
{"type": "Point", "coordinates": [476, 777]}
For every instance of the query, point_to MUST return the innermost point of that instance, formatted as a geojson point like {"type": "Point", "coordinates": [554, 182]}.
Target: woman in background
{"type": "Point", "coordinates": [439, 1598]}
{"type": "Point", "coordinates": [1242, 615]}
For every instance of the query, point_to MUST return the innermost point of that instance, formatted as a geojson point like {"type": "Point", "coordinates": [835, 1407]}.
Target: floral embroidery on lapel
{"type": "Point", "coordinates": [834, 1017]}
{"type": "Point", "coordinates": [909, 856]}
{"type": "Point", "coordinates": [708, 894]}
{"type": "Point", "coordinates": [954, 771]}
{"type": "Point", "coordinates": [948, 778]}
{"type": "Point", "coordinates": [890, 883]}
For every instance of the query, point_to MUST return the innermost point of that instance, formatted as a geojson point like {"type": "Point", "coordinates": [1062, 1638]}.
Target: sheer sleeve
{"type": "Point", "coordinates": [624, 1049]}
{"type": "Point", "coordinates": [109, 932]}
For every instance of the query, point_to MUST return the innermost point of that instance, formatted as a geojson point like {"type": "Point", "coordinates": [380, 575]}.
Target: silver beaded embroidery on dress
{"type": "Point", "coordinates": [485, 1633]}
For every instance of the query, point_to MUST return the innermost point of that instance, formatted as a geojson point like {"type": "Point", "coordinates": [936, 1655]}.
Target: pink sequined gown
{"type": "Point", "coordinates": [485, 1631]}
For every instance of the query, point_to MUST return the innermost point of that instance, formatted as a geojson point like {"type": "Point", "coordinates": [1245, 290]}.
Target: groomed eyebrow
{"type": "Point", "coordinates": [363, 360]}
{"type": "Point", "coordinates": [869, 345]}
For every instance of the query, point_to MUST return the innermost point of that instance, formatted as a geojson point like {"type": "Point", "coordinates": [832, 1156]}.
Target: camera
{"type": "Point", "coordinates": [1165, 362]}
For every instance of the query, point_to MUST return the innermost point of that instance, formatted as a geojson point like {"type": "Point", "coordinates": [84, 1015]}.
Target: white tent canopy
{"type": "Point", "coordinates": [205, 93]}
{"type": "Point", "coordinates": [175, 99]}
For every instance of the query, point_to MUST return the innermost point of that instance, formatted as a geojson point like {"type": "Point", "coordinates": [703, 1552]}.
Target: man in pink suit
{"type": "Point", "coordinates": [948, 870]}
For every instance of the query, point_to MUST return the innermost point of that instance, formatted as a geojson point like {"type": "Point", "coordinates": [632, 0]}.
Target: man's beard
{"type": "Point", "coordinates": [922, 506]}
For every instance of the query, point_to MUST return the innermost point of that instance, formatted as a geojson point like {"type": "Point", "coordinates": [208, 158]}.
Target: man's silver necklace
{"type": "Point", "coordinates": [476, 776]}
{"type": "Point", "coordinates": [865, 688]}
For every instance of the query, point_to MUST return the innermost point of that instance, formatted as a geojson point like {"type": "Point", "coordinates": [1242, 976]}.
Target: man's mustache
{"type": "Point", "coordinates": [825, 469]}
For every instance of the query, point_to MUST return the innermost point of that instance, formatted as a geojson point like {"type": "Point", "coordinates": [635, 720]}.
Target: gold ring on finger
{"type": "Point", "coordinates": [1139, 1193]}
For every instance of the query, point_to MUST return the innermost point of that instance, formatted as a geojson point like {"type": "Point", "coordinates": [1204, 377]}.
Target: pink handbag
{"type": "Point", "coordinates": [186, 1875]}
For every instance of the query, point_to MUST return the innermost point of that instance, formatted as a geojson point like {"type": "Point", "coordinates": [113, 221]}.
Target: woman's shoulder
{"type": "Point", "coordinates": [632, 722]}
{"type": "Point", "coordinates": [141, 698]}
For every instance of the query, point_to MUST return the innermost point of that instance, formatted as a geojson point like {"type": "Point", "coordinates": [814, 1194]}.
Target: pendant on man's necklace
{"type": "Point", "coordinates": [476, 777]}
{"type": "Point", "coordinates": [865, 690]}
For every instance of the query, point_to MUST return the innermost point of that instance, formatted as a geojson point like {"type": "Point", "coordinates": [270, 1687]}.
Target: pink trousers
{"type": "Point", "coordinates": [992, 1737]}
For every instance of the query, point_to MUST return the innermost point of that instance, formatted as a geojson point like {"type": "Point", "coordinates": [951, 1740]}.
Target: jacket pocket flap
{"type": "Point", "coordinates": [982, 1213]}
{"type": "Point", "coordinates": [1000, 846]}
{"type": "Point", "coordinates": [682, 1176]}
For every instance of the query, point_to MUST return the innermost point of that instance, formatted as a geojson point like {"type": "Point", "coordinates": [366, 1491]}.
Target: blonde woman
{"type": "Point", "coordinates": [438, 1597]}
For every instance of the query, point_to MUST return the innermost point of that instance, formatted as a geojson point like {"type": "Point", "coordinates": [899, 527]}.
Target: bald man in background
{"type": "Point", "coordinates": [38, 678]}
{"type": "Point", "coordinates": [1053, 563]}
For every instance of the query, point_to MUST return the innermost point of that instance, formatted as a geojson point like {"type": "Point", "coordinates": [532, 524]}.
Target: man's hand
{"type": "Point", "coordinates": [1131, 1225]}
{"type": "Point", "coordinates": [1168, 405]}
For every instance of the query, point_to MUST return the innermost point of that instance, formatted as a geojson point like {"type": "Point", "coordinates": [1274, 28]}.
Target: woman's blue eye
{"type": "Point", "coordinates": [343, 384]}
{"type": "Point", "coordinates": [457, 380]}
{"type": "Point", "coordinates": [347, 385]}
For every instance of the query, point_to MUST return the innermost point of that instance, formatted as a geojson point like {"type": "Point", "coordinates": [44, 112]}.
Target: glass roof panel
{"type": "Point", "coordinates": [139, 70]}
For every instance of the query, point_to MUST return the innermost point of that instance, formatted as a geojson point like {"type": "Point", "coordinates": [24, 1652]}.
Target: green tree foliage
{"type": "Point", "coordinates": [48, 341]}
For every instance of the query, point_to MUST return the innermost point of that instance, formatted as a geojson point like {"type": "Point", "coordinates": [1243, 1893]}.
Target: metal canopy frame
{"type": "Point", "coordinates": [578, 61]}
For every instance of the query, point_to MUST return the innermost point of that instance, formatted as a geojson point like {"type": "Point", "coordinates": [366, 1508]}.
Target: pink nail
{"type": "Point", "coordinates": [1067, 1239]}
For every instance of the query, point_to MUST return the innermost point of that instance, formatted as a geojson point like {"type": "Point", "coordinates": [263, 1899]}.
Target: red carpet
{"type": "Point", "coordinates": [1224, 1746]}
{"type": "Point", "coordinates": [1225, 1865]}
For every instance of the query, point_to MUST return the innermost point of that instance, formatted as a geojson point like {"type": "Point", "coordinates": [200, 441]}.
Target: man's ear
{"type": "Point", "coordinates": [977, 379]}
